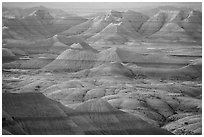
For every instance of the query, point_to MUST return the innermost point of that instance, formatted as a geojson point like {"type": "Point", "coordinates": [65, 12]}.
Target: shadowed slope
{"type": "Point", "coordinates": [10, 126]}
{"type": "Point", "coordinates": [38, 114]}
{"type": "Point", "coordinates": [7, 55]}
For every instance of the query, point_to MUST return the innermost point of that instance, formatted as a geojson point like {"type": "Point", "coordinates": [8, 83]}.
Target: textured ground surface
{"type": "Point", "coordinates": [174, 105]}
{"type": "Point", "coordinates": [117, 73]}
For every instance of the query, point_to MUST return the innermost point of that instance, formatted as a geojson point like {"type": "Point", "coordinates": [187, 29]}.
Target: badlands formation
{"type": "Point", "coordinates": [123, 72]}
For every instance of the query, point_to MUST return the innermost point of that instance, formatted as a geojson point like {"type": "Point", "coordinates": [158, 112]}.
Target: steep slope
{"type": "Point", "coordinates": [10, 126]}
{"type": "Point", "coordinates": [123, 28]}
{"type": "Point", "coordinates": [153, 24]}
{"type": "Point", "coordinates": [117, 55]}
{"type": "Point", "coordinates": [84, 46]}
{"type": "Point", "coordinates": [19, 13]}
{"type": "Point", "coordinates": [107, 56]}
{"type": "Point", "coordinates": [109, 34]}
{"type": "Point", "coordinates": [78, 29]}
{"type": "Point", "coordinates": [188, 124]}
{"type": "Point", "coordinates": [18, 52]}
{"type": "Point", "coordinates": [56, 13]}
{"type": "Point", "coordinates": [128, 56]}
{"type": "Point", "coordinates": [114, 27]}
{"type": "Point", "coordinates": [72, 60]}
{"type": "Point", "coordinates": [115, 13]}
{"type": "Point", "coordinates": [85, 58]}
{"type": "Point", "coordinates": [153, 11]}
{"type": "Point", "coordinates": [176, 25]}
{"type": "Point", "coordinates": [111, 69]}
{"type": "Point", "coordinates": [55, 44]}
{"type": "Point", "coordinates": [175, 29]}
{"type": "Point", "coordinates": [191, 71]}
{"type": "Point", "coordinates": [113, 121]}
{"type": "Point", "coordinates": [38, 114]}
{"type": "Point", "coordinates": [193, 24]}
{"type": "Point", "coordinates": [172, 31]}
{"type": "Point", "coordinates": [91, 27]}
{"type": "Point", "coordinates": [62, 43]}
{"type": "Point", "coordinates": [133, 20]}
{"type": "Point", "coordinates": [64, 23]}
{"type": "Point", "coordinates": [114, 34]}
{"type": "Point", "coordinates": [7, 55]}
{"type": "Point", "coordinates": [38, 24]}
{"type": "Point", "coordinates": [99, 23]}
{"type": "Point", "coordinates": [12, 12]}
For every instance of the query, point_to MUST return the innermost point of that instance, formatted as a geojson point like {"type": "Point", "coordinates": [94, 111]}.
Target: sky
{"type": "Point", "coordinates": [92, 7]}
